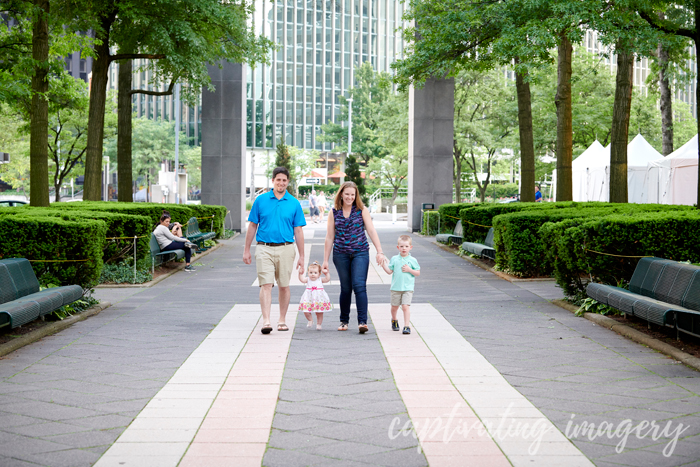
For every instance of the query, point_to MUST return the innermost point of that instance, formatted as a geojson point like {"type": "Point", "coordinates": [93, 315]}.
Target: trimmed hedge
{"type": "Point", "coordinates": [449, 215]}
{"type": "Point", "coordinates": [118, 225]}
{"type": "Point", "coordinates": [431, 221]}
{"type": "Point", "coordinates": [671, 235]}
{"type": "Point", "coordinates": [179, 212]}
{"type": "Point", "coordinates": [54, 238]}
{"type": "Point", "coordinates": [518, 242]}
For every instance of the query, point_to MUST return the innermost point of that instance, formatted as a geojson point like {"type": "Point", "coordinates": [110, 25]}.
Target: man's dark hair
{"type": "Point", "coordinates": [280, 170]}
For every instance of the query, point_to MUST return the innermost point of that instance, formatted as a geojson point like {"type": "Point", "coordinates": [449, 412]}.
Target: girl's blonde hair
{"type": "Point", "coordinates": [338, 202]}
{"type": "Point", "coordinates": [315, 265]}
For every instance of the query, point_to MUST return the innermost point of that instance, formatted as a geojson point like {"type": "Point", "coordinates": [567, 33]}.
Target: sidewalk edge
{"type": "Point", "coordinates": [502, 275]}
{"type": "Point", "coordinates": [635, 335]}
{"type": "Point", "coordinates": [49, 329]}
{"type": "Point", "coordinates": [148, 284]}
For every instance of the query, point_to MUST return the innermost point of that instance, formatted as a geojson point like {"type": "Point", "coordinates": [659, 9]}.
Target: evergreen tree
{"type": "Point", "coordinates": [284, 157]}
{"type": "Point", "coordinates": [353, 174]}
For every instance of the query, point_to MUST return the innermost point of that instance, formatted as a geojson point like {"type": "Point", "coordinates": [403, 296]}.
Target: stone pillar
{"type": "Point", "coordinates": [430, 139]}
{"type": "Point", "coordinates": [224, 142]}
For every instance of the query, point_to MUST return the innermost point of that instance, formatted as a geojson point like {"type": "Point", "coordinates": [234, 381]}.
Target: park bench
{"type": "Point", "coordinates": [485, 250]}
{"type": "Point", "coordinates": [161, 257]}
{"type": "Point", "coordinates": [661, 291]}
{"type": "Point", "coordinates": [454, 237]}
{"type": "Point", "coordinates": [21, 301]}
{"type": "Point", "coordinates": [196, 236]}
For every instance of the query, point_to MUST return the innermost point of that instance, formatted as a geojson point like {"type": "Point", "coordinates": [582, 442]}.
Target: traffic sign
{"type": "Point", "coordinates": [312, 181]}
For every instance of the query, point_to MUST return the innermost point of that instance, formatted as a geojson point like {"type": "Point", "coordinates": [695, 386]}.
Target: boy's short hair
{"type": "Point", "coordinates": [405, 238]}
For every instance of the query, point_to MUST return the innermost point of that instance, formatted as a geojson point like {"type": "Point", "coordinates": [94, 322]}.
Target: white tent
{"type": "Point", "coordinates": [594, 172]}
{"type": "Point", "coordinates": [592, 158]}
{"type": "Point", "coordinates": [674, 179]}
{"type": "Point", "coordinates": [639, 154]}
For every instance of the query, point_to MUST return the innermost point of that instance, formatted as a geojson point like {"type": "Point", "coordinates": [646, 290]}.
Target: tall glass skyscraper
{"type": "Point", "coordinates": [320, 42]}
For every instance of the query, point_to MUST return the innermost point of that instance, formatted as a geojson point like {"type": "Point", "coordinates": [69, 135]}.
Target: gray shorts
{"type": "Point", "coordinates": [401, 297]}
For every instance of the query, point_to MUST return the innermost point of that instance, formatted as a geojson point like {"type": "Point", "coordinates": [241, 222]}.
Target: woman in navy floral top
{"type": "Point", "coordinates": [345, 235]}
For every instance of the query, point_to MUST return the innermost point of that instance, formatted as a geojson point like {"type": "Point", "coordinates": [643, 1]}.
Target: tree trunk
{"type": "Point", "coordinates": [92, 189]}
{"type": "Point", "coordinates": [666, 103]}
{"type": "Point", "coordinates": [527, 145]}
{"type": "Point", "coordinates": [620, 125]}
{"type": "Point", "coordinates": [564, 121]}
{"type": "Point", "coordinates": [124, 168]}
{"type": "Point", "coordinates": [39, 125]}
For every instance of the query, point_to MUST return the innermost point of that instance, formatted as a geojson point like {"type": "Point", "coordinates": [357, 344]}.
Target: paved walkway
{"type": "Point", "coordinates": [493, 374]}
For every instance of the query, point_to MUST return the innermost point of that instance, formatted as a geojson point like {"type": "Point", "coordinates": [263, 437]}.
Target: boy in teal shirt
{"type": "Point", "coordinates": [404, 269]}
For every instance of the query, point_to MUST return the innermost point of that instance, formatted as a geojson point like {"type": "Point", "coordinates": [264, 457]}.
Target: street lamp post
{"type": "Point", "coordinates": [349, 133]}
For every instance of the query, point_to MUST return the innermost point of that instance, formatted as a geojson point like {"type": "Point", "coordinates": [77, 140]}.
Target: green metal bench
{"type": "Point", "coordinates": [162, 257]}
{"type": "Point", "coordinates": [196, 236]}
{"type": "Point", "coordinates": [661, 291]}
{"type": "Point", "coordinates": [21, 301]}
{"type": "Point", "coordinates": [485, 250]}
{"type": "Point", "coordinates": [454, 237]}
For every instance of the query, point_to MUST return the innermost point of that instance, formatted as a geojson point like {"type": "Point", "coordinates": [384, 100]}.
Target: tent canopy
{"type": "Point", "coordinates": [594, 156]}
{"type": "Point", "coordinates": [674, 179]}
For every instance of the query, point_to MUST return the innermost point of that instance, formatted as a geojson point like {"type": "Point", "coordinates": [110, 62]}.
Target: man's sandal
{"type": "Point", "coordinates": [282, 327]}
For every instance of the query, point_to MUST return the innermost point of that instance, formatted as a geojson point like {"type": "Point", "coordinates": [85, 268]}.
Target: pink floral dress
{"type": "Point", "coordinates": [315, 299]}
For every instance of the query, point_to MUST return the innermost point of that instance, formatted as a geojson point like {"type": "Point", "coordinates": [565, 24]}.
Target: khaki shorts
{"type": "Point", "coordinates": [401, 297]}
{"type": "Point", "coordinates": [275, 263]}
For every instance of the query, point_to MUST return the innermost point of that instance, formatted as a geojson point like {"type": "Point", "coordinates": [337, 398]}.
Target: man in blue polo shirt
{"type": "Point", "coordinates": [276, 221]}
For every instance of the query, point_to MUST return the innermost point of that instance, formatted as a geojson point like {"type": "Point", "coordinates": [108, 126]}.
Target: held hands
{"type": "Point", "coordinates": [381, 259]}
{"type": "Point", "coordinates": [300, 265]}
{"type": "Point", "coordinates": [324, 268]}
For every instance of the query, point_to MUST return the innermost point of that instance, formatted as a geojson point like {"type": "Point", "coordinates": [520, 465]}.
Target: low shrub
{"type": "Point", "coordinates": [119, 224]}
{"type": "Point", "coordinates": [123, 272]}
{"type": "Point", "coordinates": [58, 240]}
{"type": "Point", "coordinates": [431, 220]}
{"type": "Point", "coordinates": [180, 212]}
{"type": "Point", "coordinates": [449, 215]}
{"type": "Point", "coordinates": [518, 242]}
{"type": "Point", "coordinates": [576, 245]}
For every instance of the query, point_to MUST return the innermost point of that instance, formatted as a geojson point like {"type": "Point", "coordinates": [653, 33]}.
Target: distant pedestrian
{"type": "Point", "coordinates": [404, 269]}
{"type": "Point", "coordinates": [275, 221]}
{"type": "Point", "coordinates": [313, 207]}
{"type": "Point", "coordinates": [538, 195]}
{"type": "Point", "coordinates": [322, 205]}
{"type": "Point", "coordinates": [345, 236]}
{"type": "Point", "coordinates": [315, 299]}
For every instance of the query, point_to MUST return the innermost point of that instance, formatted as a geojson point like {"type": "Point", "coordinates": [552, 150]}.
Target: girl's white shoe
{"type": "Point", "coordinates": [309, 324]}
{"type": "Point", "coordinates": [318, 327]}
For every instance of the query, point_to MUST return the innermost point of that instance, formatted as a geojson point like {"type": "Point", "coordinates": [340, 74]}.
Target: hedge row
{"type": "Point", "coordinates": [61, 241]}
{"type": "Point", "coordinates": [574, 246]}
{"type": "Point", "coordinates": [118, 225]}
{"type": "Point", "coordinates": [518, 242]}
{"type": "Point", "coordinates": [449, 215]}
{"type": "Point", "coordinates": [484, 214]}
{"type": "Point", "coordinates": [179, 212]}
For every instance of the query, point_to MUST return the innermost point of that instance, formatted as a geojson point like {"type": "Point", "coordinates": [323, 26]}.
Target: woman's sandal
{"type": "Point", "coordinates": [282, 327]}
{"type": "Point", "coordinates": [343, 327]}
{"type": "Point", "coordinates": [266, 329]}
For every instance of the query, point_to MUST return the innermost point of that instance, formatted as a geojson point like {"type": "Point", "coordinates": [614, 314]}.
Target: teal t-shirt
{"type": "Point", "coordinates": [403, 281]}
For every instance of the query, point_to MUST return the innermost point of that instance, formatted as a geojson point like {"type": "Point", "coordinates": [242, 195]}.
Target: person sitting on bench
{"type": "Point", "coordinates": [168, 242]}
{"type": "Point", "coordinates": [174, 227]}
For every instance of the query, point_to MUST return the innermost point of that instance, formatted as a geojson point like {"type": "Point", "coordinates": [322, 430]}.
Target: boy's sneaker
{"type": "Point", "coordinates": [406, 330]}
{"type": "Point", "coordinates": [190, 268]}
{"type": "Point", "coordinates": [394, 325]}
{"type": "Point", "coordinates": [363, 328]}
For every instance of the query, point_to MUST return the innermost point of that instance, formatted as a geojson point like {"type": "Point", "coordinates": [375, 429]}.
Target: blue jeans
{"type": "Point", "coordinates": [352, 272]}
{"type": "Point", "coordinates": [179, 246]}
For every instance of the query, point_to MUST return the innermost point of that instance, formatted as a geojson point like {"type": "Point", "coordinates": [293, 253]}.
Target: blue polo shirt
{"type": "Point", "coordinates": [276, 218]}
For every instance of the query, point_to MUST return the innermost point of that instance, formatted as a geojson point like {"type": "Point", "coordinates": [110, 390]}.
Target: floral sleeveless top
{"type": "Point", "coordinates": [349, 233]}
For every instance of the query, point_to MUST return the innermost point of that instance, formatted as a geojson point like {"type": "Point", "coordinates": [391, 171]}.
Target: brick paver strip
{"type": "Point", "coordinates": [164, 429]}
{"type": "Point", "coordinates": [522, 432]}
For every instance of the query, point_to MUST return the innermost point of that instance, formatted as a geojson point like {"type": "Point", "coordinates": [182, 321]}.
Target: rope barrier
{"type": "Point", "coordinates": [617, 256]}
{"type": "Point", "coordinates": [57, 260]}
{"type": "Point", "coordinates": [122, 238]}
{"type": "Point", "coordinates": [472, 223]}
